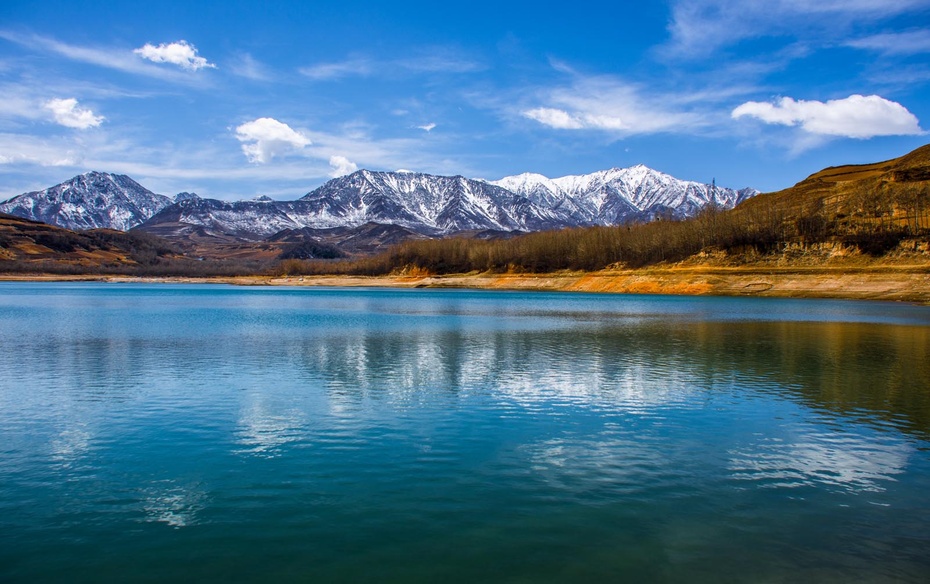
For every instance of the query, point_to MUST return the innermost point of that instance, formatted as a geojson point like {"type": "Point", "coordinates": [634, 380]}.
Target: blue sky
{"type": "Point", "coordinates": [238, 99]}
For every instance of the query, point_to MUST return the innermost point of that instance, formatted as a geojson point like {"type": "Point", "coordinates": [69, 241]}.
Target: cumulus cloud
{"type": "Point", "coordinates": [265, 138]}
{"type": "Point", "coordinates": [856, 116]}
{"type": "Point", "coordinates": [181, 53]}
{"type": "Point", "coordinates": [341, 166]}
{"type": "Point", "coordinates": [112, 57]}
{"type": "Point", "coordinates": [427, 127]}
{"type": "Point", "coordinates": [67, 113]}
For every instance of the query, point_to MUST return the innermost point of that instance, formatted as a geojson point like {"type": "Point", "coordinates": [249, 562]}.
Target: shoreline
{"type": "Point", "coordinates": [890, 283]}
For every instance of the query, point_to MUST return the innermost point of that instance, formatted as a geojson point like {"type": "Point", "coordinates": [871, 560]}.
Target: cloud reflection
{"type": "Point", "coordinates": [265, 426]}
{"type": "Point", "coordinates": [842, 461]}
{"type": "Point", "coordinates": [173, 504]}
{"type": "Point", "coordinates": [70, 444]}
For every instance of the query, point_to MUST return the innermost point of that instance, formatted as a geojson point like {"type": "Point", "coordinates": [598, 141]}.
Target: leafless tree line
{"type": "Point", "coordinates": [874, 220]}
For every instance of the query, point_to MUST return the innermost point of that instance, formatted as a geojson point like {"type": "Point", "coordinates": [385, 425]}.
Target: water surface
{"type": "Point", "coordinates": [158, 432]}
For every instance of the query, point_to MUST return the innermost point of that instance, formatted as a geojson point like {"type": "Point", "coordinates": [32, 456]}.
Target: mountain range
{"type": "Point", "coordinates": [873, 209]}
{"type": "Point", "coordinates": [428, 205]}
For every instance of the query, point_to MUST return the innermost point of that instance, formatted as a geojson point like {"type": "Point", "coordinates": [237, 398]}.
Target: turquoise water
{"type": "Point", "coordinates": [166, 433]}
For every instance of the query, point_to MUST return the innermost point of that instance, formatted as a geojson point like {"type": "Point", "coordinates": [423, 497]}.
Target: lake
{"type": "Point", "coordinates": [206, 432]}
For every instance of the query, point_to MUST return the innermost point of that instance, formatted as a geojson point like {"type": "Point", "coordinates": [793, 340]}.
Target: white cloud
{"type": "Point", "coordinates": [24, 150]}
{"type": "Point", "coordinates": [427, 127]}
{"type": "Point", "coordinates": [440, 60]}
{"type": "Point", "coordinates": [245, 65]}
{"type": "Point", "coordinates": [326, 71]}
{"type": "Point", "coordinates": [67, 113]}
{"type": "Point", "coordinates": [700, 27]}
{"type": "Point", "coordinates": [210, 168]}
{"type": "Point", "coordinates": [265, 138]}
{"type": "Point", "coordinates": [181, 53]}
{"type": "Point", "coordinates": [434, 60]}
{"type": "Point", "coordinates": [903, 43]}
{"type": "Point", "coordinates": [20, 102]}
{"type": "Point", "coordinates": [341, 166]}
{"type": "Point", "coordinates": [856, 116]}
{"type": "Point", "coordinates": [608, 104]}
{"type": "Point", "coordinates": [554, 118]}
{"type": "Point", "coordinates": [118, 59]}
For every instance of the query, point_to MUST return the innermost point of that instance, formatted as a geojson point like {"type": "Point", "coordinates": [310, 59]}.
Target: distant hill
{"type": "Point", "coordinates": [29, 247]}
{"type": "Point", "coordinates": [889, 196]}
{"type": "Point", "coordinates": [24, 242]}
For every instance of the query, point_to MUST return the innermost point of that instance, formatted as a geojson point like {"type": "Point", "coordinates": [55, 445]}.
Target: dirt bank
{"type": "Point", "coordinates": [899, 282]}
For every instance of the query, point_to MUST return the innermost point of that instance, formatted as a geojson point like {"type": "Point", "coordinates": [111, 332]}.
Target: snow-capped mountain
{"type": "Point", "coordinates": [252, 220]}
{"type": "Point", "coordinates": [442, 204]}
{"type": "Point", "coordinates": [88, 201]}
{"type": "Point", "coordinates": [613, 196]}
{"type": "Point", "coordinates": [426, 204]}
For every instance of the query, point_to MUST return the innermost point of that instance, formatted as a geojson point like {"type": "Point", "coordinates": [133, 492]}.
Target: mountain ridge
{"type": "Point", "coordinates": [432, 205]}
{"type": "Point", "coordinates": [93, 200]}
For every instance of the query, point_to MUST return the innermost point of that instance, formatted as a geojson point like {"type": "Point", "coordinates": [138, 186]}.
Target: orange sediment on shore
{"type": "Point", "coordinates": [634, 284]}
{"type": "Point", "coordinates": [899, 283]}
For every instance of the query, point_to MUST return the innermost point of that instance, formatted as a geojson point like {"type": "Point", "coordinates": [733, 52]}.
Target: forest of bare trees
{"type": "Point", "coordinates": [874, 217]}
{"type": "Point", "coordinates": [874, 220]}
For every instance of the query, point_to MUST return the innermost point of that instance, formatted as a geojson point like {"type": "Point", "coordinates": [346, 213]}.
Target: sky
{"type": "Point", "coordinates": [237, 99]}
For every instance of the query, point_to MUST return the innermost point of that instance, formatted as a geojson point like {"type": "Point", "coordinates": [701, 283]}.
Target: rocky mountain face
{"type": "Point", "coordinates": [418, 204]}
{"type": "Point", "coordinates": [423, 202]}
{"type": "Point", "coordinates": [618, 195]}
{"type": "Point", "coordinates": [89, 201]}
{"type": "Point", "coordinates": [250, 220]}
{"type": "Point", "coordinates": [442, 205]}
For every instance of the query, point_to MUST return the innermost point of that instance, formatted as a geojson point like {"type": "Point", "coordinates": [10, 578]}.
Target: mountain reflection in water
{"type": "Point", "coordinates": [422, 435]}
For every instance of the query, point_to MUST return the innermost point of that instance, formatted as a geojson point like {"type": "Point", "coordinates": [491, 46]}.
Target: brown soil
{"type": "Point", "coordinates": [909, 283]}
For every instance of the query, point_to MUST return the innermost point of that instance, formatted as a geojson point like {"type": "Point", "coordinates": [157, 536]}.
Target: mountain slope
{"type": "Point", "coordinates": [424, 202]}
{"type": "Point", "coordinates": [442, 205]}
{"type": "Point", "coordinates": [25, 243]}
{"type": "Point", "coordinates": [846, 199]}
{"type": "Point", "coordinates": [618, 195]}
{"type": "Point", "coordinates": [89, 201]}
{"type": "Point", "coordinates": [429, 205]}
{"type": "Point", "coordinates": [249, 220]}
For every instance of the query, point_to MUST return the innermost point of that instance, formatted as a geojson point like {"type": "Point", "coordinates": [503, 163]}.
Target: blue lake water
{"type": "Point", "coordinates": [166, 433]}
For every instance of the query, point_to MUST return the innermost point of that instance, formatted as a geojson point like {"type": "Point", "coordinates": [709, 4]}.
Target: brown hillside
{"type": "Point", "coordinates": [25, 242]}
{"type": "Point", "coordinates": [30, 247]}
{"type": "Point", "coordinates": [894, 194]}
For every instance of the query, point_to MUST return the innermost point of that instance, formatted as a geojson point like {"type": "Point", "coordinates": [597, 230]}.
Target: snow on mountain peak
{"type": "Point", "coordinates": [429, 204]}
{"type": "Point", "coordinates": [89, 201]}
{"type": "Point", "coordinates": [616, 195]}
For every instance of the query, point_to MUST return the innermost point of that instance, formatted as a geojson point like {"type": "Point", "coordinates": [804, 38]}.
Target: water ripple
{"type": "Point", "coordinates": [328, 435]}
